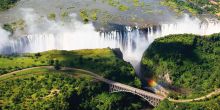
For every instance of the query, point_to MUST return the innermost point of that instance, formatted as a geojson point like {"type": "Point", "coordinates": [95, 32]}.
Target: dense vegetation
{"type": "Point", "coordinates": [194, 6]}
{"type": "Point", "coordinates": [205, 105]}
{"type": "Point", "coordinates": [101, 61]}
{"type": "Point", "coordinates": [192, 63]}
{"type": "Point", "coordinates": [12, 27]}
{"type": "Point", "coordinates": [6, 4]}
{"type": "Point", "coordinates": [59, 89]}
{"type": "Point", "coordinates": [41, 89]}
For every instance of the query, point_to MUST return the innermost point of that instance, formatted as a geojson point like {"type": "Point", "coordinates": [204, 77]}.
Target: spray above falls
{"type": "Point", "coordinates": [43, 34]}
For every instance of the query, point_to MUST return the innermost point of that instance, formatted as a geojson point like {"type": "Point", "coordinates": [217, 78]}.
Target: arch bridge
{"type": "Point", "coordinates": [152, 98]}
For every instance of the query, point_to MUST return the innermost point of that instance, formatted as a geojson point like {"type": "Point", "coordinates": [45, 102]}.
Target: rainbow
{"type": "Point", "coordinates": [152, 83]}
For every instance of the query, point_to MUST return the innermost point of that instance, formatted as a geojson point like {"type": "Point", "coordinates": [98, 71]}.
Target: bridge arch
{"type": "Point", "coordinates": [154, 101]}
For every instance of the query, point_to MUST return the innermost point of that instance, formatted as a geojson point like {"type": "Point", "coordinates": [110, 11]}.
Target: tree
{"type": "Point", "coordinates": [57, 65]}
{"type": "Point", "coordinates": [37, 55]}
{"type": "Point", "coordinates": [80, 60]}
{"type": "Point", "coordinates": [51, 62]}
{"type": "Point", "coordinates": [137, 82]}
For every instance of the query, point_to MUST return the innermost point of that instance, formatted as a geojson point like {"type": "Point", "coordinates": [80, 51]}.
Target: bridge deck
{"type": "Point", "coordinates": [130, 88]}
{"type": "Point", "coordinates": [110, 82]}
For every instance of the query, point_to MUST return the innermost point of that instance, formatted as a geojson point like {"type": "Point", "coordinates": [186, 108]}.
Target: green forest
{"type": "Point", "coordinates": [194, 6]}
{"type": "Point", "coordinates": [6, 4]}
{"type": "Point", "coordinates": [192, 63]}
{"type": "Point", "coordinates": [41, 89]}
{"type": "Point", "coordinates": [109, 64]}
{"type": "Point", "coordinates": [59, 89]}
{"type": "Point", "coordinates": [185, 65]}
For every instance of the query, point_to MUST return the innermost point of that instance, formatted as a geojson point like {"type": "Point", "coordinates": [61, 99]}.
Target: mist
{"type": "Point", "coordinates": [41, 34]}
{"type": "Point", "coordinates": [4, 36]}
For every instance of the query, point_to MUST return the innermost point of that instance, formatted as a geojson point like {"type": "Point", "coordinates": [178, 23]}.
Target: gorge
{"type": "Point", "coordinates": [43, 34]}
{"type": "Point", "coordinates": [159, 48]}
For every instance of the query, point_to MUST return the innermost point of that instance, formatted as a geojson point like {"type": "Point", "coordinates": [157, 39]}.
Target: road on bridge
{"type": "Point", "coordinates": [152, 98]}
{"type": "Point", "coordinates": [110, 82]}
{"type": "Point", "coordinates": [139, 91]}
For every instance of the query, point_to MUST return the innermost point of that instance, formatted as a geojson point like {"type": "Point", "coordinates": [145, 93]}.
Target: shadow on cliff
{"type": "Point", "coordinates": [175, 52]}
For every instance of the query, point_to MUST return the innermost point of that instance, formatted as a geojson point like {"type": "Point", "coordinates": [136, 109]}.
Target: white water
{"type": "Point", "coordinates": [44, 35]}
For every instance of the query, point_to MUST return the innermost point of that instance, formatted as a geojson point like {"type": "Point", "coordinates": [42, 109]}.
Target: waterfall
{"type": "Point", "coordinates": [132, 41]}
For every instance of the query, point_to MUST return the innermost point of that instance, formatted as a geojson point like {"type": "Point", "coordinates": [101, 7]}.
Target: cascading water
{"type": "Point", "coordinates": [48, 35]}
{"type": "Point", "coordinates": [132, 42]}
